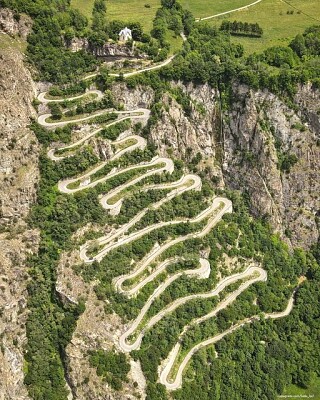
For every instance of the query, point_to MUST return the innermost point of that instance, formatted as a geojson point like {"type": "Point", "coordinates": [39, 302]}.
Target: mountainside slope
{"type": "Point", "coordinates": [18, 178]}
{"type": "Point", "coordinates": [259, 132]}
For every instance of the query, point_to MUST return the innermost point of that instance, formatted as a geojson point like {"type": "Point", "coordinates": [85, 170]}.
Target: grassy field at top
{"type": "Point", "coordinates": [85, 6]}
{"type": "Point", "coordinates": [206, 8]}
{"type": "Point", "coordinates": [124, 10]}
{"type": "Point", "coordinates": [135, 10]}
{"type": "Point", "coordinates": [278, 26]}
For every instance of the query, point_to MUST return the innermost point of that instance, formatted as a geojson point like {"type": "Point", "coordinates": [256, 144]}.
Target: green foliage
{"type": "Point", "coordinates": [170, 17]}
{"type": "Point", "coordinates": [112, 132]}
{"type": "Point", "coordinates": [286, 161]}
{"type": "Point", "coordinates": [70, 90]}
{"type": "Point", "coordinates": [240, 28]}
{"type": "Point", "coordinates": [45, 137]}
{"type": "Point", "coordinates": [242, 351]}
{"type": "Point", "coordinates": [56, 112]}
{"type": "Point", "coordinates": [46, 49]}
{"type": "Point", "coordinates": [273, 352]}
{"type": "Point", "coordinates": [103, 118]}
{"type": "Point", "coordinates": [281, 57]}
{"type": "Point", "coordinates": [99, 6]}
{"type": "Point", "coordinates": [307, 44]}
{"type": "Point", "coordinates": [183, 99]}
{"type": "Point", "coordinates": [255, 362]}
{"type": "Point", "coordinates": [136, 31]}
{"type": "Point", "coordinates": [50, 323]}
{"type": "Point", "coordinates": [209, 56]}
{"type": "Point", "coordinates": [99, 24]}
{"type": "Point", "coordinates": [112, 367]}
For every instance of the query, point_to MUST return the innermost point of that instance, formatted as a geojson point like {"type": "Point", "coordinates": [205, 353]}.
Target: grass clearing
{"type": "Point", "coordinates": [135, 10]}
{"type": "Point", "coordinates": [175, 42]}
{"type": "Point", "coordinates": [129, 11]}
{"type": "Point", "coordinates": [124, 145]}
{"type": "Point", "coordinates": [9, 43]}
{"type": "Point", "coordinates": [205, 8]}
{"type": "Point", "coordinates": [313, 392]}
{"type": "Point", "coordinates": [85, 6]}
{"type": "Point", "coordinates": [278, 26]}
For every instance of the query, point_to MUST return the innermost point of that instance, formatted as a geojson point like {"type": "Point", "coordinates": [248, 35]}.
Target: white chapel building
{"type": "Point", "coordinates": [125, 34]}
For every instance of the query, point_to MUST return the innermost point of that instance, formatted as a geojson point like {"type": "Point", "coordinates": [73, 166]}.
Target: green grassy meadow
{"type": "Point", "coordinates": [205, 8]}
{"type": "Point", "coordinates": [125, 10]}
{"type": "Point", "coordinates": [85, 6]}
{"type": "Point", "coordinates": [272, 15]}
{"type": "Point", "coordinates": [278, 26]}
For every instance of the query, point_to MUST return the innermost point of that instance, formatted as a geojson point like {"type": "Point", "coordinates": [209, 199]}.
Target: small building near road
{"type": "Point", "coordinates": [125, 34]}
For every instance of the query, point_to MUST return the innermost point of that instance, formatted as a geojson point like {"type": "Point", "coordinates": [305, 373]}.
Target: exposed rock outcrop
{"type": "Point", "coordinates": [14, 249]}
{"type": "Point", "coordinates": [18, 179]}
{"type": "Point", "coordinates": [19, 149]}
{"type": "Point", "coordinates": [14, 24]}
{"type": "Point", "coordinates": [186, 135]}
{"type": "Point", "coordinates": [133, 98]}
{"type": "Point", "coordinates": [259, 129]}
{"type": "Point", "coordinates": [241, 147]}
{"type": "Point", "coordinates": [108, 50]}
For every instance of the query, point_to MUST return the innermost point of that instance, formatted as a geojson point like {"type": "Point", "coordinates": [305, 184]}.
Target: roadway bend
{"type": "Point", "coordinates": [112, 201]}
{"type": "Point", "coordinates": [167, 365]}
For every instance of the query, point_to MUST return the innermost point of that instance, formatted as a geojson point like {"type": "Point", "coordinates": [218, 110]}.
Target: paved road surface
{"type": "Point", "coordinates": [63, 185]}
{"type": "Point", "coordinates": [140, 112]}
{"type": "Point", "coordinates": [168, 364]}
{"type": "Point", "coordinates": [228, 12]}
{"type": "Point", "coordinates": [136, 235]}
{"type": "Point", "coordinates": [139, 71]}
{"type": "Point", "coordinates": [127, 347]}
{"type": "Point", "coordinates": [42, 97]}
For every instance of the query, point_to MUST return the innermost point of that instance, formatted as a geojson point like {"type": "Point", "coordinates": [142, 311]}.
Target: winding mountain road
{"type": "Point", "coordinates": [182, 187]}
{"type": "Point", "coordinates": [112, 201]}
{"type": "Point", "coordinates": [169, 362]}
{"type": "Point", "coordinates": [139, 112]}
{"type": "Point", "coordinates": [138, 71]}
{"type": "Point", "coordinates": [51, 152]}
{"type": "Point", "coordinates": [178, 187]}
{"type": "Point", "coordinates": [138, 234]}
{"type": "Point", "coordinates": [43, 99]}
{"type": "Point", "coordinates": [262, 275]}
{"type": "Point", "coordinates": [202, 272]}
{"type": "Point", "coordinates": [162, 164]}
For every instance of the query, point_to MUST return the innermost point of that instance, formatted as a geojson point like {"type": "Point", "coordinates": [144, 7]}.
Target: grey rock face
{"type": "Point", "coordinates": [14, 24]}
{"type": "Point", "coordinates": [18, 179]}
{"type": "Point", "coordinates": [108, 50]}
{"type": "Point", "coordinates": [241, 146]}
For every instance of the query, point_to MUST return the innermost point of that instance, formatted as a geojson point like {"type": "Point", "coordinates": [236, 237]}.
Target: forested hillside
{"type": "Point", "coordinates": [177, 210]}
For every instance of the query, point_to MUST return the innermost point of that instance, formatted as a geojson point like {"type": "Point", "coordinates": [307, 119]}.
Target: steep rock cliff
{"type": "Point", "coordinates": [242, 145]}
{"type": "Point", "coordinates": [260, 130]}
{"type": "Point", "coordinates": [108, 50]}
{"type": "Point", "coordinates": [14, 24]}
{"type": "Point", "coordinates": [18, 179]}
